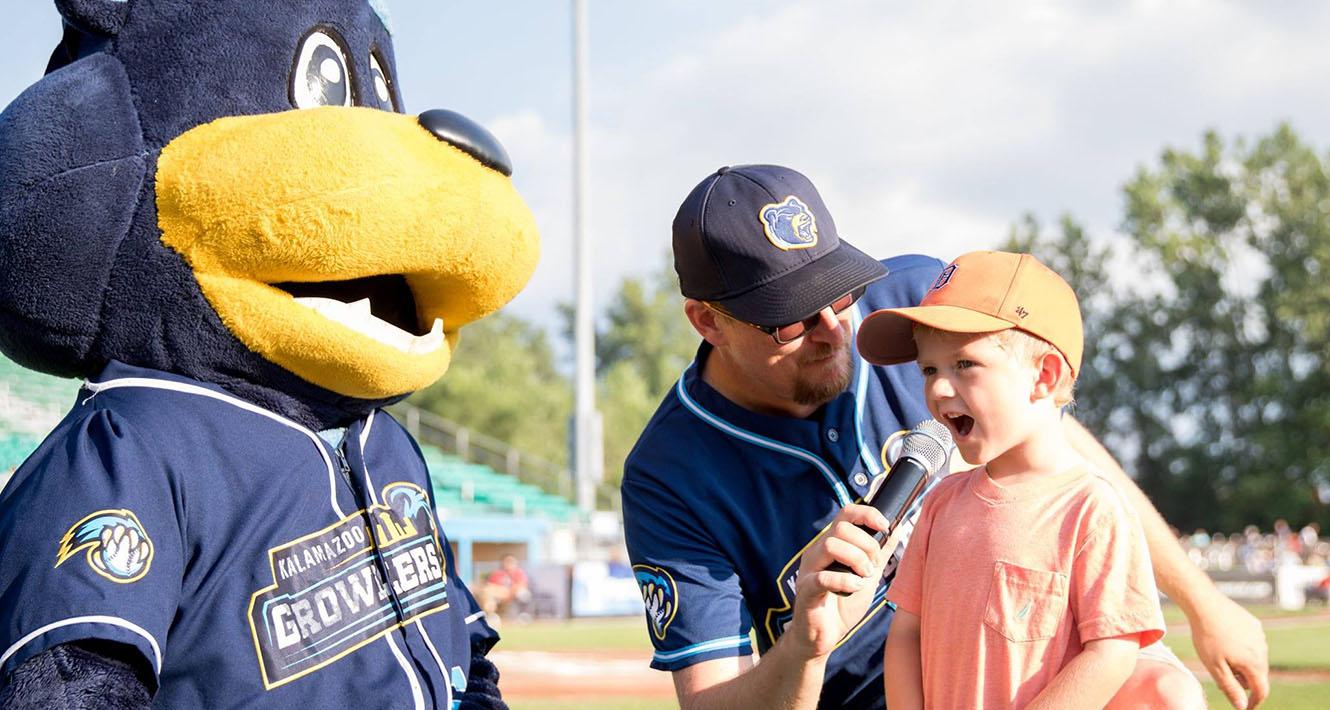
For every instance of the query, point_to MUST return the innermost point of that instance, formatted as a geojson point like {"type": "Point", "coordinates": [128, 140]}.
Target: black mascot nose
{"type": "Point", "coordinates": [460, 131]}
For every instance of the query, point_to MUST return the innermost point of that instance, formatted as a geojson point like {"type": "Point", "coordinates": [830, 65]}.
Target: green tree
{"type": "Point", "coordinates": [1206, 356]}
{"type": "Point", "coordinates": [642, 348]}
{"type": "Point", "coordinates": [503, 383]}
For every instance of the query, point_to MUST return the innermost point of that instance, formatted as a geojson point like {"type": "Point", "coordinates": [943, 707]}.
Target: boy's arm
{"type": "Point", "coordinates": [1228, 639]}
{"type": "Point", "coordinates": [902, 668]}
{"type": "Point", "coordinates": [1091, 678]}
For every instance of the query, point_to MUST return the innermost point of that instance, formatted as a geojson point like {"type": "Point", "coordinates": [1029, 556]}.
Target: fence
{"type": "Point", "coordinates": [473, 446]}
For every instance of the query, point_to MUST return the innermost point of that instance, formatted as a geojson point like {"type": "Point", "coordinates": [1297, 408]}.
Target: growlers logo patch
{"type": "Point", "coordinates": [659, 595]}
{"type": "Point", "coordinates": [333, 590]}
{"type": "Point", "coordinates": [117, 546]}
{"type": "Point", "coordinates": [789, 224]}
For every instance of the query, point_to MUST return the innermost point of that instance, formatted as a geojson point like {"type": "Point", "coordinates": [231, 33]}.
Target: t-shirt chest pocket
{"type": "Point", "coordinates": [1025, 604]}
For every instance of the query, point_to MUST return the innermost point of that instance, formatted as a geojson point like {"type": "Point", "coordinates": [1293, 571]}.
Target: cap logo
{"type": "Point", "coordinates": [943, 278]}
{"type": "Point", "coordinates": [789, 224]}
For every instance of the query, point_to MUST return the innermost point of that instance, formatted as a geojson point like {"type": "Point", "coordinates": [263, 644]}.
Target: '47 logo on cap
{"type": "Point", "coordinates": [789, 224]}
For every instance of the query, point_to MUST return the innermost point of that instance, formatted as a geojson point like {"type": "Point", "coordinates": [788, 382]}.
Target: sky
{"type": "Point", "coordinates": [927, 126]}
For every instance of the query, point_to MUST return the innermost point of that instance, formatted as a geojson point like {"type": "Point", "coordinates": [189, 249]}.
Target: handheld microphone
{"type": "Point", "coordinates": [924, 451]}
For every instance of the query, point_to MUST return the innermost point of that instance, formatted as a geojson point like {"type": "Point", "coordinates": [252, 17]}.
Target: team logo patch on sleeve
{"type": "Point", "coordinates": [118, 548]}
{"type": "Point", "coordinates": [789, 224]}
{"type": "Point", "coordinates": [660, 596]}
{"type": "Point", "coordinates": [339, 588]}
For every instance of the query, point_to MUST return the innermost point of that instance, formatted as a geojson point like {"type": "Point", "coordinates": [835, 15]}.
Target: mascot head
{"type": "Point", "coordinates": [231, 191]}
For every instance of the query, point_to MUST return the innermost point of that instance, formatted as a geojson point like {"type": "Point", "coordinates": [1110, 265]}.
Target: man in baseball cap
{"type": "Point", "coordinates": [742, 490]}
{"type": "Point", "coordinates": [800, 266]}
{"type": "Point", "coordinates": [762, 445]}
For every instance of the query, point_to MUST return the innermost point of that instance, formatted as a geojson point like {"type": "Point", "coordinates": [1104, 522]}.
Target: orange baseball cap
{"type": "Point", "coordinates": [981, 292]}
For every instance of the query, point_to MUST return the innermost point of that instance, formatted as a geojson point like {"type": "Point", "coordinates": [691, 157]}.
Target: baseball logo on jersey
{"type": "Point", "coordinates": [789, 224]}
{"type": "Point", "coordinates": [339, 588]}
{"type": "Point", "coordinates": [660, 596]}
{"type": "Point", "coordinates": [117, 546]}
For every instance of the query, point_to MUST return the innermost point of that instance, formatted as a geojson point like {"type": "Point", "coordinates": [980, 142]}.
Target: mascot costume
{"type": "Point", "coordinates": [217, 213]}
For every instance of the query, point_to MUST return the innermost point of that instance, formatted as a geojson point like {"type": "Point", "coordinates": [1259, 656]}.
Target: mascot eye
{"type": "Point", "coordinates": [320, 76]}
{"type": "Point", "coordinates": [383, 88]}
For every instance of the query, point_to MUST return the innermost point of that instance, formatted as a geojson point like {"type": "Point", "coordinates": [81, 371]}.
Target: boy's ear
{"type": "Point", "coordinates": [705, 321]}
{"type": "Point", "coordinates": [1049, 371]}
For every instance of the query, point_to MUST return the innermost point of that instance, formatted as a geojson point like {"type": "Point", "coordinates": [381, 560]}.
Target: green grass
{"type": "Point", "coordinates": [1291, 648]}
{"type": "Point", "coordinates": [1283, 696]}
{"type": "Point", "coordinates": [1173, 614]}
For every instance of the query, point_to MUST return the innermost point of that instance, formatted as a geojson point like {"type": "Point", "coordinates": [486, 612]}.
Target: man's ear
{"type": "Point", "coordinates": [705, 321]}
{"type": "Point", "coordinates": [1050, 368]}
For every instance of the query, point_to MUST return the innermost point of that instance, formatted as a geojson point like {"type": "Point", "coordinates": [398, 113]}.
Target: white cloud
{"type": "Point", "coordinates": [940, 124]}
{"type": "Point", "coordinates": [927, 126]}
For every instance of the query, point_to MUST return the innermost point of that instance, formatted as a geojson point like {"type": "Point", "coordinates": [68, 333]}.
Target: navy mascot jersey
{"type": "Point", "coordinates": [250, 563]}
{"type": "Point", "coordinates": [719, 503]}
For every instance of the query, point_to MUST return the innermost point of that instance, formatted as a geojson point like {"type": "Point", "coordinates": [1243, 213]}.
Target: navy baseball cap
{"type": "Point", "coordinates": [757, 241]}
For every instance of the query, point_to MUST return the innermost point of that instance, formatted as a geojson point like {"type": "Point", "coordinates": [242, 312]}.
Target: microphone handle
{"type": "Point", "coordinates": [893, 498]}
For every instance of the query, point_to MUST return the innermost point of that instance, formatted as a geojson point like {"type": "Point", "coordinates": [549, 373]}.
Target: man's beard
{"type": "Point", "coordinates": [817, 392]}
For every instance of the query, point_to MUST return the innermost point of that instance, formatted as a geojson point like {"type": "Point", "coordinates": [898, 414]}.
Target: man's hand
{"type": "Point", "coordinates": [1231, 644]}
{"type": "Point", "coordinates": [822, 615]}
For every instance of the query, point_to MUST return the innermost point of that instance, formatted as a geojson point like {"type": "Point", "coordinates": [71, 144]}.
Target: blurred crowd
{"type": "Point", "coordinates": [1258, 552]}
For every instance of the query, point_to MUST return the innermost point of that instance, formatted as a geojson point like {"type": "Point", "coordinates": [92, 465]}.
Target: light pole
{"type": "Point", "coordinates": [588, 461]}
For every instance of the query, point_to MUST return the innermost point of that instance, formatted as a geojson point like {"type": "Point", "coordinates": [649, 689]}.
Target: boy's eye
{"type": "Point", "coordinates": [928, 370]}
{"type": "Point", "coordinates": [962, 364]}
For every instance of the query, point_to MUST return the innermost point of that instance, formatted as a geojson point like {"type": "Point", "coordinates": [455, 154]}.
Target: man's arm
{"type": "Point", "coordinates": [1228, 639]}
{"type": "Point", "coordinates": [791, 673]}
{"type": "Point", "coordinates": [902, 667]}
{"type": "Point", "coordinates": [1092, 677]}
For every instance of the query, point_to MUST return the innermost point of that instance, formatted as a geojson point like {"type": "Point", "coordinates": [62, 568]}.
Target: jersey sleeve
{"type": "Point", "coordinates": [694, 602]}
{"type": "Point", "coordinates": [90, 542]}
{"type": "Point", "coordinates": [1112, 586]}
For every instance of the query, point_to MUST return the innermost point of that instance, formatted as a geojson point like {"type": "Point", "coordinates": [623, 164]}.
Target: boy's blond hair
{"type": "Point", "coordinates": [1030, 348]}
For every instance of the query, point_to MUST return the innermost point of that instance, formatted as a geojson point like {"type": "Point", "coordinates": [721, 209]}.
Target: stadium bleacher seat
{"type": "Point", "coordinates": [31, 404]}
{"type": "Point", "coordinates": [472, 488]}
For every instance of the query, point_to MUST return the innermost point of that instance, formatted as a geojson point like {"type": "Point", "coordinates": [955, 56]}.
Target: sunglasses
{"type": "Point", "coordinates": [791, 332]}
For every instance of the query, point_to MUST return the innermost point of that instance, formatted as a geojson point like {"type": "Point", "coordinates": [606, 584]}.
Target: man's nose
{"type": "Point", "coordinates": [829, 328]}
{"type": "Point", "coordinates": [470, 137]}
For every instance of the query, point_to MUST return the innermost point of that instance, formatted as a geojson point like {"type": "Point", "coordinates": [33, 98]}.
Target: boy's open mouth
{"type": "Point", "coordinates": [960, 423]}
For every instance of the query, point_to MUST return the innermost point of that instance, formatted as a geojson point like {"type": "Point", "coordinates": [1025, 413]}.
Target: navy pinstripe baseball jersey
{"type": "Point", "coordinates": [249, 562]}
{"type": "Point", "coordinates": [719, 502]}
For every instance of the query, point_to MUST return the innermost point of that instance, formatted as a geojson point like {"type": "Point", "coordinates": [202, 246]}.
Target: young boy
{"type": "Point", "coordinates": [1026, 583]}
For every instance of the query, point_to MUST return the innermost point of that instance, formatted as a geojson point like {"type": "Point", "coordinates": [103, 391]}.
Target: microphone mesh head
{"type": "Point", "coordinates": [928, 442]}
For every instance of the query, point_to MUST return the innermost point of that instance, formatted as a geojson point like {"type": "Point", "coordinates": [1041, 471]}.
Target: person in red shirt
{"type": "Point", "coordinates": [504, 588]}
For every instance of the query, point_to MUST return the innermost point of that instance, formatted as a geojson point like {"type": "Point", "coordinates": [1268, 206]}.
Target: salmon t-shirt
{"type": "Point", "coordinates": [1010, 580]}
